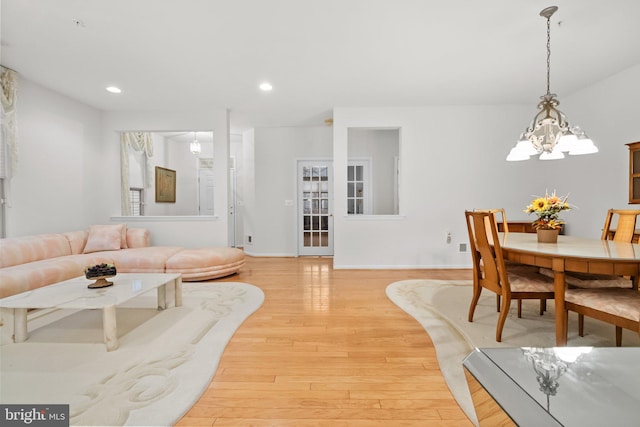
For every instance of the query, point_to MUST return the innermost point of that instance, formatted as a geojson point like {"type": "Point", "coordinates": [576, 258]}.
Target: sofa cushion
{"type": "Point", "coordinates": [77, 240]}
{"type": "Point", "coordinates": [36, 274]}
{"type": "Point", "coordinates": [206, 263]}
{"type": "Point", "coordinates": [106, 238]}
{"type": "Point", "coordinates": [138, 238]}
{"type": "Point", "coordinates": [142, 260]}
{"type": "Point", "coordinates": [21, 250]}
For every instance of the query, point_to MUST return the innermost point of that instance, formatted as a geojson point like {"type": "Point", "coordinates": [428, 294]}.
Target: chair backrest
{"type": "Point", "coordinates": [624, 221]}
{"type": "Point", "coordinates": [503, 218]}
{"type": "Point", "coordinates": [488, 262]}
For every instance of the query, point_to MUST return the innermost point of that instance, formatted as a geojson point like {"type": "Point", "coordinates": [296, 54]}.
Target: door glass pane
{"type": "Point", "coordinates": [324, 239]}
{"type": "Point", "coordinates": [636, 162]}
{"type": "Point", "coordinates": [315, 207]}
{"type": "Point", "coordinates": [636, 188]}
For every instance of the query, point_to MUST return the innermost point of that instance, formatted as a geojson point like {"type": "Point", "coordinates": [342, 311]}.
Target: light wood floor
{"type": "Point", "coordinates": [328, 348]}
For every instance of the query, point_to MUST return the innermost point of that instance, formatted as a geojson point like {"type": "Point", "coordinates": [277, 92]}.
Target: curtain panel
{"type": "Point", "coordinates": [8, 142]}
{"type": "Point", "coordinates": [136, 141]}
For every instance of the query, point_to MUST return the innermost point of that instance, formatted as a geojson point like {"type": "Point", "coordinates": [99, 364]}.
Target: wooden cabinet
{"type": "Point", "coordinates": [634, 172]}
{"type": "Point", "coordinates": [522, 227]}
{"type": "Point", "coordinates": [518, 227]}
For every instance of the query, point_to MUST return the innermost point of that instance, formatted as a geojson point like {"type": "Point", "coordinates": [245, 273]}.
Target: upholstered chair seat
{"type": "Point", "coordinates": [529, 281]}
{"type": "Point", "coordinates": [615, 301]}
{"type": "Point", "coordinates": [620, 307]}
{"type": "Point", "coordinates": [590, 281]}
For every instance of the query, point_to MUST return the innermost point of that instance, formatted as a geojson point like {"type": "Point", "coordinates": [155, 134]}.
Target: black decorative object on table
{"type": "Point", "coordinates": [100, 272]}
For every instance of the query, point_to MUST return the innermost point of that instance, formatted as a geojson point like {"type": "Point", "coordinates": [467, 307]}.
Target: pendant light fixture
{"type": "Point", "coordinates": [550, 135]}
{"type": "Point", "coordinates": [194, 147]}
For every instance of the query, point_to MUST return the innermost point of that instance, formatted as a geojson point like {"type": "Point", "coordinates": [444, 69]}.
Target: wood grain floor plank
{"type": "Point", "coordinates": [328, 348]}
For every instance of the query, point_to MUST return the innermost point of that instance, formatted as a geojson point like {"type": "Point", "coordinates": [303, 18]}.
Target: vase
{"type": "Point", "coordinates": [548, 236]}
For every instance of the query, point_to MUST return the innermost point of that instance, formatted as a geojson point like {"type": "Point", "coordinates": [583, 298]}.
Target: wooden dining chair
{"type": "Point", "coordinates": [619, 226]}
{"type": "Point", "coordinates": [490, 271]}
{"type": "Point", "coordinates": [500, 219]}
{"type": "Point", "coordinates": [625, 225]}
{"type": "Point", "coordinates": [618, 306]}
{"type": "Point", "coordinates": [624, 221]}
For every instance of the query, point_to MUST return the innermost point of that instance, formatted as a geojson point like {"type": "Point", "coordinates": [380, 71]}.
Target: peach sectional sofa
{"type": "Point", "coordinates": [31, 262]}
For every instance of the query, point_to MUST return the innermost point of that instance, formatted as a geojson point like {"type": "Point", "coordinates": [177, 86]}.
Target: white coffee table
{"type": "Point", "coordinates": [74, 294]}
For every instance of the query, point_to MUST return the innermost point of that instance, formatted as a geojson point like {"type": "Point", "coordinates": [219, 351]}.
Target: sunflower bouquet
{"type": "Point", "coordinates": [548, 209]}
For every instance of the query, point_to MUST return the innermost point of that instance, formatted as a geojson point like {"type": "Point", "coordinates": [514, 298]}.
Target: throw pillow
{"type": "Point", "coordinates": [77, 240]}
{"type": "Point", "coordinates": [105, 238]}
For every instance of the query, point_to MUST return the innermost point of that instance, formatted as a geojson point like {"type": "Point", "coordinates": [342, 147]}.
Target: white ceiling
{"type": "Point", "coordinates": [205, 54]}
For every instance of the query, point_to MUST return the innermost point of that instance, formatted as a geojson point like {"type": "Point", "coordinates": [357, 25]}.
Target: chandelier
{"type": "Point", "coordinates": [550, 135]}
{"type": "Point", "coordinates": [194, 147]}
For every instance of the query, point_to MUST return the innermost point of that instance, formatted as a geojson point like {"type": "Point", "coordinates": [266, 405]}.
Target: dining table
{"type": "Point", "coordinates": [572, 254]}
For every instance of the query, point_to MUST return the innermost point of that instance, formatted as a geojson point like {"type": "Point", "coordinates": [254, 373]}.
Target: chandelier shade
{"type": "Point", "coordinates": [550, 135]}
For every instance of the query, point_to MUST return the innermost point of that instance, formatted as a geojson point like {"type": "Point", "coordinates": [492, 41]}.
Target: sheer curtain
{"type": "Point", "coordinates": [137, 141]}
{"type": "Point", "coordinates": [8, 145]}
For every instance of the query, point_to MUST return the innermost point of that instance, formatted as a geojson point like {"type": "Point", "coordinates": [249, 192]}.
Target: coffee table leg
{"type": "Point", "coordinates": [178, 291]}
{"type": "Point", "coordinates": [19, 324]}
{"type": "Point", "coordinates": [162, 297]}
{"type": "Point", "coordinates": [110, 328]}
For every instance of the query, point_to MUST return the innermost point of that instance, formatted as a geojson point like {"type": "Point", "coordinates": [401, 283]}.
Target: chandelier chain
{"type": "Point", "coordinates": [548, 55]}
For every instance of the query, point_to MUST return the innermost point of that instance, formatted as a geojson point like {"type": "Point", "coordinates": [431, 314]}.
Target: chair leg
{"type": "Point", "coordinates": [543, 306]}
{"type": "Point", "coordinates": [498, 303]}
{"type": "Point", "coordinates": [504, 311]}
{"type": "Point", "coordinates": [581, 325]}
{"type": "Point", "coordinates": [519, 308]}
{"type": "Point", "coordinates": [618, 336]}
{"type": "Point", "coordinates": [477, 289]}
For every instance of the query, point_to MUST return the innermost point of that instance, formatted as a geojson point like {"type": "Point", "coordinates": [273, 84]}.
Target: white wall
{"type": "Point", "coordinates": [59, 183]}
{"type": "Point", "coordinates": [68, 176]}
{"type": "Point", "coordinates": [609, 111]}
{"type": "Point", "coordinates": [273, 153]}
{"type": "Point", "coordinates": [189, 231]}
{"type": "Point", "coordinates": [453, 158]}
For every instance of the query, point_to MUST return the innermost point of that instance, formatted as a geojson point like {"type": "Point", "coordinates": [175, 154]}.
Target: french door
{"type": "Point", "coordinates": [315, 210]}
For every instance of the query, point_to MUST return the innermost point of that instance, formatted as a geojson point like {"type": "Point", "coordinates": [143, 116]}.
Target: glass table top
{"type": "Point", "coordinates": [576, 386]}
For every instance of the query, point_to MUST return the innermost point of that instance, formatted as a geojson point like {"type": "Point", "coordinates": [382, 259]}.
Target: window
{"type": "Point", "coordinates": [136, 196]}
{"type": "Point", "coordinates": [358, 200]}
{"type": "Point", "coordinates": [373, 162]}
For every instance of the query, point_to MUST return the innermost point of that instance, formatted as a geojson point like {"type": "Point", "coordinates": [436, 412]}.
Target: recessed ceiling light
{"type": "Point", "coordinates": [266, 86]}
{"type": "Point", "coordinates": [114, 89]}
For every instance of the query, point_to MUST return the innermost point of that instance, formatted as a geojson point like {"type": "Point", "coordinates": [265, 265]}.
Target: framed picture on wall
{"type": "Point", "coordinates": [165, 185]}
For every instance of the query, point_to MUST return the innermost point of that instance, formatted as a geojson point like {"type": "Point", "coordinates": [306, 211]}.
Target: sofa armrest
{"type": "Point", "coordinates": [138, 238]}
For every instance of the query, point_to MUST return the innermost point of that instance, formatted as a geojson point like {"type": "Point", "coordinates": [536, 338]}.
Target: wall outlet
{"type": "Point", "coordinates": [464, 247]}
{"type": "Point", "coordinates": [249, 239]}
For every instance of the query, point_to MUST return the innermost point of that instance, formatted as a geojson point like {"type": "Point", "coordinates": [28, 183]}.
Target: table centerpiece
{"type": "Point", "coordinates": [548, 210]}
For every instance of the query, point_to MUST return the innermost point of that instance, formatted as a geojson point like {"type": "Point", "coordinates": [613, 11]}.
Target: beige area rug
{"type": "Point", "coordinates": [164, 363]}
{"type": "Point", "coordinates": [441, 307]}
